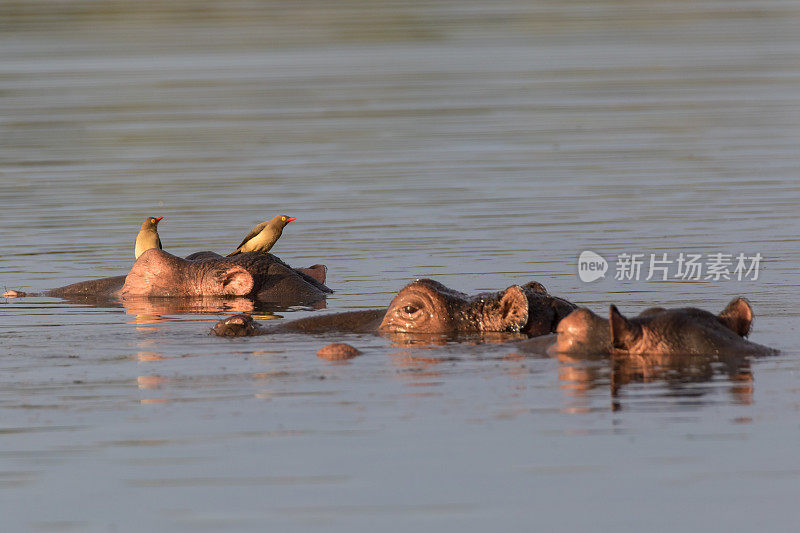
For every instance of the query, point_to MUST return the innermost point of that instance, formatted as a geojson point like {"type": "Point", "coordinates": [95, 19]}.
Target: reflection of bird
{"type": "Point", "coordinates": [264, 236]}
{"type": "Point", "coordinates": [148, 236]}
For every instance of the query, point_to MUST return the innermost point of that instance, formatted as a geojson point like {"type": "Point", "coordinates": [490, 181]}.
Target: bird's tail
{"type": "Point", "coordinates": [235, 252]}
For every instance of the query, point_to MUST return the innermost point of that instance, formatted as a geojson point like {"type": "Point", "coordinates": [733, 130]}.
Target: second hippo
{"type": "Point", "coordinates": [428, 307]}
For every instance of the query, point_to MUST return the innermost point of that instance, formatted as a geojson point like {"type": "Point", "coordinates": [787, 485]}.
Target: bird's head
{"type": "Point", "coordinates": [282, 220]}
{"type": "Point", "coordinates": [151, 222]}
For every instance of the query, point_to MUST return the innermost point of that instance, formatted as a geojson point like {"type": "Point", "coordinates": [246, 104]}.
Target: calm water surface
{"type": "Point", "coordinates": [479, 144]}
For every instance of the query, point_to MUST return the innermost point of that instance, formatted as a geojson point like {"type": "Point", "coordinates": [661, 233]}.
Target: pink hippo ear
{"type": "Point", "coordinates": [513, 309]}
{"type": "Point", "coordinates": [738, 316]}
{"type": "Point", "coordinates": [234, 281]}
{"type": "Point", "coordinates": [624, 333]}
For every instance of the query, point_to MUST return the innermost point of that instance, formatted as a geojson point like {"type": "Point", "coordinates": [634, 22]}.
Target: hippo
{"type": "Point", "coordinates": [259, 276]}
{"type": "Point", "coordinates": [674, 346]}
{"type": "Point", "coordinates": [426, 306]}
{"type": "Point", "coordinates": [685, 331]}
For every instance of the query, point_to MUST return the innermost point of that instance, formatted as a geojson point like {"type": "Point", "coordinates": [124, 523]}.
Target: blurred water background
{"type": "Point", "coordinates": [479, 143]}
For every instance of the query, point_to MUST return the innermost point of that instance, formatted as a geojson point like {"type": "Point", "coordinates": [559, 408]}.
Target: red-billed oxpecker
{"type": "Point", "coordinates": [264, 236]}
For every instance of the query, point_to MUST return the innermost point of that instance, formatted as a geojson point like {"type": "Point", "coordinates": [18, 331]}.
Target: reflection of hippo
{"type": "Point", "coordinates": [428, 307]}
{"type": "Point", "coordinates": [678, 370]}
{"type": "Point", "coordinates": [660, 331]}
{"type": "Point", "coordinates": [582, 372]}
{"type": "Point", "coordinates": [262, 277]}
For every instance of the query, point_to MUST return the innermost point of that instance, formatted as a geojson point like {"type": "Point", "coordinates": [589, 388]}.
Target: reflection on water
{"type": "Point", "coordinates": [695, 378]}
{"type": "Point", "coordinates": [150, 310]}
{"type": "Point", "coordinates": [683, 373]}
{"type": "Point", "coordinates": [477, 143]}
{"type": "Point", "coordinates": [148, 356]}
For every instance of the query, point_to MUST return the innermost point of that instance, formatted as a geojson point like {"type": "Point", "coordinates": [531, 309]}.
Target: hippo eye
{"type": "Point", "coordinates": [410, 309]}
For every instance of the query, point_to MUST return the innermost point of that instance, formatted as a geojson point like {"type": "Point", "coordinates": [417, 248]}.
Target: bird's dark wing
{"type": "Point", "coordinates": [158, 239]}
{"type": "Point", "coordinates": [255, 231]}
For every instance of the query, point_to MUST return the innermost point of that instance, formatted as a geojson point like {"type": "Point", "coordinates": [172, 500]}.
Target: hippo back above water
{"type": "Point", "coordinates": [254, 275]}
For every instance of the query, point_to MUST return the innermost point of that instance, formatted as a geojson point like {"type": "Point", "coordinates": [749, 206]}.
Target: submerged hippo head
{"type": "Point", "coordinates": [427, 306]}
{"type": "Point", "coordinates": [157, 273]}
{"type": "Point", "coordinates": [657, 331]}
{"type": "Point", "coordinates": [256, 275]}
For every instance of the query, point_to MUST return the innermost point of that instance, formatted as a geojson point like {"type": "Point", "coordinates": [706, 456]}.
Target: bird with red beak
{"type": "Point", "coordinates": [148, 236]}
{"type": "Point", "coordinates": [264, 236]}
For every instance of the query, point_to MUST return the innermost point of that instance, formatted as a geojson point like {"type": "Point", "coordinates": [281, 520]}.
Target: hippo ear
{"type": "Point", "coordinates": [535, 286]}
{"type": "Point", "coordinates": [235, 281]}
{"type": "Point", "coordinates": [315, 272]}
{"type": "Point", "coordinates": [738, 316]}
{"type": "Point", "coordinates": [624, 333]}
{"type": "Point", "coordinates": [514, 309]}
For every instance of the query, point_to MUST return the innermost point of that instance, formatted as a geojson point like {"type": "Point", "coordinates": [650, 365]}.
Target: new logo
{"type": "Point", "coordinates": [591, 266]}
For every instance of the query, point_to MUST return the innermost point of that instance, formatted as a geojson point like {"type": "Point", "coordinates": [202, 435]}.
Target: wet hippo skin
{"type": "Point", "coordinates": [259, 276]}
{"type": "Point", "coordinates": [659, 331]}
{"type": "Point", "coordinates": [428, 307]}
